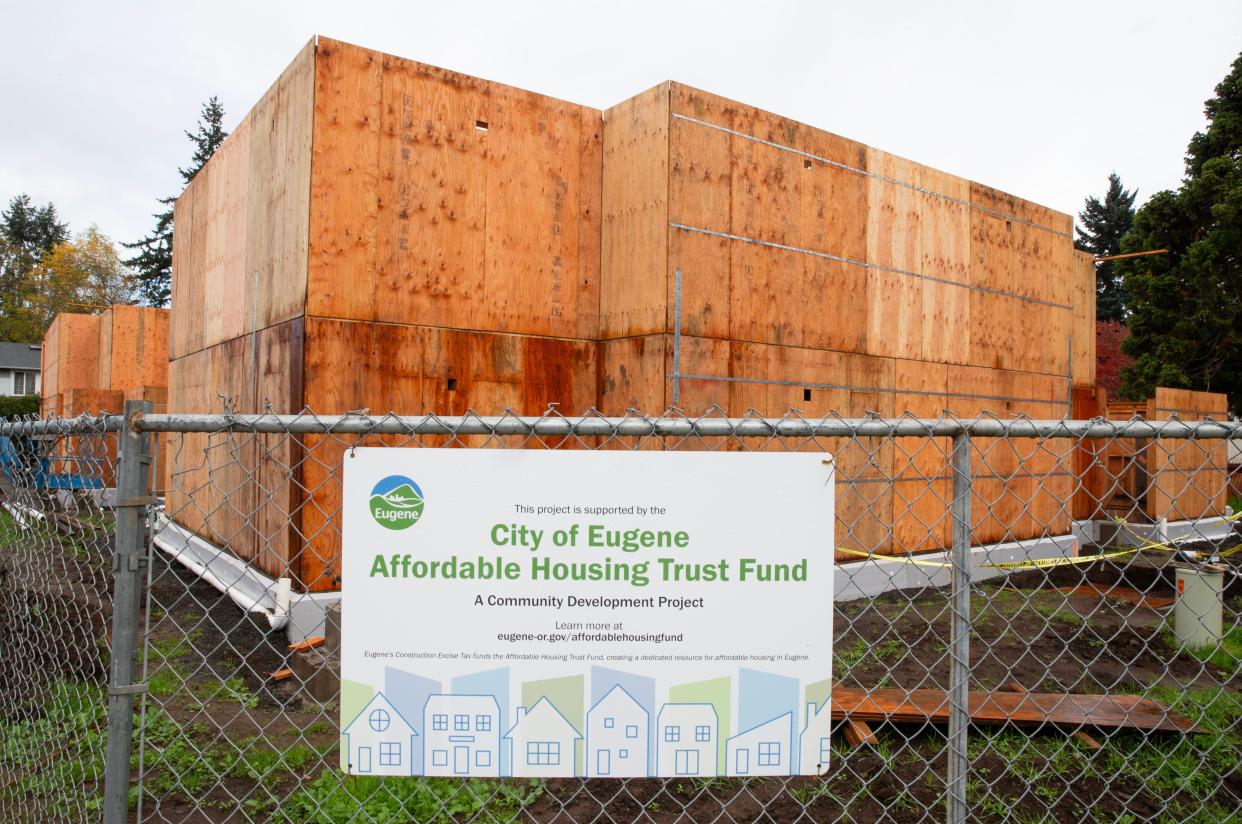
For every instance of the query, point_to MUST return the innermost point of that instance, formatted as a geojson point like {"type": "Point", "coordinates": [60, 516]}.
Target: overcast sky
{"type": "Point", "coordinates": [1041, 99]}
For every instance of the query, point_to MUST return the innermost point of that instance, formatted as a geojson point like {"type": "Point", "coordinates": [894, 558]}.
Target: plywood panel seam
{"type": "Point", "coordinates": [865, 173]}
{"type": "Point", "coordinates": [868, 265]}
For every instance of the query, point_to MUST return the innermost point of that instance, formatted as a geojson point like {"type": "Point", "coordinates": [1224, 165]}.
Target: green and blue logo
{"type": "Point", "coordinates": [396, 502]}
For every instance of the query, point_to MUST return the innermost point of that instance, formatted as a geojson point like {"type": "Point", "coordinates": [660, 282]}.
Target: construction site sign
{"type": "Point", "coordinates": [586, 613]}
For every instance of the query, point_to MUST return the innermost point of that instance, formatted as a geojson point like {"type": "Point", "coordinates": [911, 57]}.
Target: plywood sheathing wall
{"type": "Point", "coordinates": [450, 201]}
{"type": "Point", "coordinates": [451, 254]}
{"type": "Point", "coordinates": [70, 355]}
{"type": "Point", "coordinates": [241, 245]}
{"type": "Point", "coordinates": [470, 245]}
{"type": "Point", "coordinates": [1188, 478]}
{"type": "Point", "coordinates": [808, 264]}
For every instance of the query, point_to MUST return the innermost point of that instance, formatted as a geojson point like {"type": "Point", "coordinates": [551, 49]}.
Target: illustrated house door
{"type": "Point", "coordinates": [687, 762]}
{"type": "Point", "coordinates": [364, 759]}
{"type": "Point", "coordinates": [603, 762]}
{"type": "Point", "coordinates": [461, 760]}
{"type": "Point", "coordinates": [743, 761]}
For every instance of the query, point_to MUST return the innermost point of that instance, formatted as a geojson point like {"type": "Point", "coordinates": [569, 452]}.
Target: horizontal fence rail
{"type": "Point", "coordinates": [591, 426]}
{"type": "Point", "coordinates": [1009, 637]}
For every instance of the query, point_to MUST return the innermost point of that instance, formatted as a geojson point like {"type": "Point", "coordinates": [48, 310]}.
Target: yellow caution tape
{"type": "Point", "coordinates": [1044, 563]}
{"type": "Point", "coordinates": [874, 557]}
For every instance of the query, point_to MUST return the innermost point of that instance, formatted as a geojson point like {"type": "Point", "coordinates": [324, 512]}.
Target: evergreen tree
{"type": "Point", "coordinates": [1186, 306]}
{"type": "Point", "coordinates": [152, 260]}
{"type": "Point", "coordinates": [27, 235]}
{"type": "Point", "coordinates": [1104, 224]}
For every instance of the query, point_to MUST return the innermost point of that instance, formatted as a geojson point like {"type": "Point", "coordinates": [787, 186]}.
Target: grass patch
{"type": "Point", "coordinates": [333, 797]}
{"type": "Point", "coordinates": [59, 756]}
{"type": "Point", "coordinates": [232, 688]}
{"type": "Point", "coordinates": [1227, 654]}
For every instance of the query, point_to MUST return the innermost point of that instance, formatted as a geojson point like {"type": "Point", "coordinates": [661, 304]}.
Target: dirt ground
{"type": "Point", "coordinates": [1025, 631]}
{"type": "Point", "coordinates": [222, 741]}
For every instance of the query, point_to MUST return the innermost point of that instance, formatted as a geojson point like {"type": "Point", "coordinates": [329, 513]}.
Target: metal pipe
{"type": "Point", "coordinates": [959, 642]}
{"type": "Point", "coordinates": [680, 427]}
{"type": "Point", "coordinates": [63, 426]}
{"type": "Point", "coordinates": [131, 510]}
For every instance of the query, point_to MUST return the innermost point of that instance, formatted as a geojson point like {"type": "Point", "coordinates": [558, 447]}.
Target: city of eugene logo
{"type": "Point", "coordinates": [396, 502]}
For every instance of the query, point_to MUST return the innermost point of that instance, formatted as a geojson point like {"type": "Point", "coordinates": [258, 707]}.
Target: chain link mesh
{"type": "Point", "coordinates": [56, 538]}
{"type": "Point", "coordinates": [1086, 706]}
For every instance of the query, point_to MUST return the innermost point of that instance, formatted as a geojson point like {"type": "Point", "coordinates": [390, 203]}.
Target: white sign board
{"type": "Point", "coordinates": [586, 613]}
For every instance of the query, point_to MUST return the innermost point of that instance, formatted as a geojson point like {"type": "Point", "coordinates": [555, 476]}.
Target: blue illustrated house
{"type": "Point", "coordinates": [543, 743]}
{"type": "Point", "coordinates": [686, 739]}
{"type": "Point", "coordinates": [379, 741]}
{"type": "Point", "coordinates": [617, 736]}
{"type": "Point", "coordinates": [761, 750]}
{"type": "Point", "coordinates": [816, 738]}
{"type": "Point", "coordinates": [461, 735]}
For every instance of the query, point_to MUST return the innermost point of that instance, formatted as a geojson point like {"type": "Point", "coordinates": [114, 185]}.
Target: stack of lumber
{"type": "Point", "coordinates": [381, 234]}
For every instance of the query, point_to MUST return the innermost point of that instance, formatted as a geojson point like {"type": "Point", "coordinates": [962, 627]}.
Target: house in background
{"type": "Point", "coordinates": [816, 738]}
{"type": "Point", "coordinates": [379, 741]}
{"type": "Point", "coordinates": [543, 743]}
{"type": "Point", "coordinates": [761, 750]}
{"type": "Point", "coordinates": [461, 735]}
{"type": "Point", "coordinates": [19, 369]}
{"type": "Point", "coordinates": [617, 736]}
{"type": "Point", "coordinates": [686, 739]}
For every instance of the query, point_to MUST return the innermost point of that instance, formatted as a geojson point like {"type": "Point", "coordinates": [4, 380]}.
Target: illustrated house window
{"type": "Point", "coordinates": [825, 749]}
{"type": "Point", "coordinates": [439, 722]}
{"type": "Point", "coordinates": [439, 758]}
{"type": "Point", "coordinates": [483, 723]}
{"type": "Point", "coordinates": [461, 723]}
{"type": "Point", "coordinates": [390, 753]}
{"type": "Point", "coordinates": [769, 753]}
{"type": "Point", "coordinates": [623, 753]}
{"type": "Point", "coordinates": [703, 733]}
{"type": "Point", "coordinates": [543, 753]}
{"type": "Point", "coordinates": [609, 722]}
{"type": "Point", "coordinates": [483, 758]}
{"type": "Point", "coordinates": [379, 721]}
{"type": "Point", "coordinates": [631, 730]}
{"type": "Point", "coordinates": [672, 733]}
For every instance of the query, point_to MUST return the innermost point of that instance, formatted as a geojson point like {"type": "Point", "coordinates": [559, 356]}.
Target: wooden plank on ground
{"type": "Point", "coordinates": [857, 733]}
{"type": "Point", "coordinates": [1029, 709]}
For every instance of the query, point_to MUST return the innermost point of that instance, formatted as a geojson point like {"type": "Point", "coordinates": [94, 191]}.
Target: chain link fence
{"type": "Point", "coordinates": [1005, 638]}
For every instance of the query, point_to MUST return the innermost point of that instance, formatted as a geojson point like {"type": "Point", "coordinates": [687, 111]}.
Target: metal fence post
{"type": "Point", "coordinates": [132, 499]}
{"type": "Point", "coordinates": [959, 662]}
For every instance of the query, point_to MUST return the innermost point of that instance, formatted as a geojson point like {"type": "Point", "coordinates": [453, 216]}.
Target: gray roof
{"type": "Point", "coordinates": [19, 355]}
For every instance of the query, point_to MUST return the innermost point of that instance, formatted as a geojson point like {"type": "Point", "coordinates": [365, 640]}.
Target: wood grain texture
{"type": "Point", "coordinates": [278, 199]}
{"type": "Point", "coordinates": [1187, 478]}
{"type": "Point", "coordinates": [1024, 709]}
{"type": "Point", "coordinates": [344, 200]}
{"type": "Point", "coordinates": [133, 347]}
{"type": "Point", "coordinates": [70, 354]}
{"type": "Point", "coordinates": [1083, 297]}
{"type": "Point", "coordinates": [634, 237]}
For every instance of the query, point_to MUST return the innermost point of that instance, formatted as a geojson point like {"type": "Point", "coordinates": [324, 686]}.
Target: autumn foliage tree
{"type": "Point", "coordinates": [85, 270]}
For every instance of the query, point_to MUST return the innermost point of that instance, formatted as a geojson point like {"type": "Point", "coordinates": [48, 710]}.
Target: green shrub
{"type": "Point", "coordinates": [12, 406]}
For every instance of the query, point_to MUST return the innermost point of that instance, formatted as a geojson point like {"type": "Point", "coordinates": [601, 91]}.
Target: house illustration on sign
{"type": "Point", "coordinates": [543, 743]}
{"type": "Point", "coordinates": [617, 736]}
{"type": "Point", "coordinates": [761, 750]}
{"type": "Point", "coordinates": [686, 739]}
{"type": "Point", "coordinates": [816, 738]}
{"type": "Point", "coordinates": [379, 741]}
{"type": "Point", "coordinates": [461, 735]}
